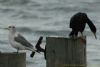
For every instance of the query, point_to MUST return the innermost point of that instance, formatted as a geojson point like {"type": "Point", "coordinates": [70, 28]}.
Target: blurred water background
{"type": "Point", "coordinates": [35, 18]}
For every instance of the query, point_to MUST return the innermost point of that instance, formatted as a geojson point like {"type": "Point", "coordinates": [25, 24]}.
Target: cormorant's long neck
{"type": "Point", "coordinates": [91, 25]}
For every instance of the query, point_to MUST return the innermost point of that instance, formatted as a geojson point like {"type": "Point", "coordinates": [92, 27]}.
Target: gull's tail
{"type": "Point", "coordinates": [38, 48]}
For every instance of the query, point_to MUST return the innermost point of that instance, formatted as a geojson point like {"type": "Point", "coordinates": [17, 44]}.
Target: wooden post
{"type": "Point", "coordinates": [12, 59]}
{"type": "Point", "coordinates": [66, 52]}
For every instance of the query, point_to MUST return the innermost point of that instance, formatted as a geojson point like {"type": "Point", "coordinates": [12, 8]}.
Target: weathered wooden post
{"type": "Point", "coordinates": [66, 52]}
{"type": "Point", "coordinates": [12, 59]}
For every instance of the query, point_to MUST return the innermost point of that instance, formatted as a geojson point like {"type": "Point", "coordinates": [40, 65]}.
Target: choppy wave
{"type": "Point", "coordinates": [3, 42]}
{"type": "Point", "coordinates": [14, 2]}
{"type": "Point", "coordinates": [24, 29]}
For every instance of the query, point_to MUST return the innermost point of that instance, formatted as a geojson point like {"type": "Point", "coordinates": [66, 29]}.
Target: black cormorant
{"type": "Point", "coordinates": [78, 23]}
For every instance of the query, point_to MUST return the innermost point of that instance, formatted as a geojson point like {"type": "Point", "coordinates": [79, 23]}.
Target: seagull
{"type": "Point", "coordinates": [18, 41]}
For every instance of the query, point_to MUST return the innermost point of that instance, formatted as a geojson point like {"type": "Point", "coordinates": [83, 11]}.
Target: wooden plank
{"type": "Point", "coordinates": [66, 52]}
{"type": "Point", "coordinates": [12, 59]}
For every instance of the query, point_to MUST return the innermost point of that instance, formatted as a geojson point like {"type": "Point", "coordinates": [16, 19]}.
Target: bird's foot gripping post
{"type": "Point", "coordinates": [66, 52]}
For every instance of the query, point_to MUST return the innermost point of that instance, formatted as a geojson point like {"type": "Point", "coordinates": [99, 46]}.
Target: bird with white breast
{"type": "Point", "coordinates": [18, 41]}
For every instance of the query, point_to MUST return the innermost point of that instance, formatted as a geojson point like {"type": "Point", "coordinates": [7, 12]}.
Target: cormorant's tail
{"type": "Point", "coordinates": [37, 47]}
{"type": "Point", "coordinates": [32, 54]}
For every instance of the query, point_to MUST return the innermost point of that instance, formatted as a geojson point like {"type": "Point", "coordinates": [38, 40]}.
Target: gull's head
{"type": "Point", "coordinates": [10, 28]}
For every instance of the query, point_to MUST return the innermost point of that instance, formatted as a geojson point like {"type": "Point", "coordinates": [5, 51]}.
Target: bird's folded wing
{"type": "Point", "coordinates": [20, 39]}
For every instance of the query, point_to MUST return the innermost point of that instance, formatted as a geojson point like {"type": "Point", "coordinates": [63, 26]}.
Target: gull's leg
{"type": "Point", "coordinates": [17, 50]}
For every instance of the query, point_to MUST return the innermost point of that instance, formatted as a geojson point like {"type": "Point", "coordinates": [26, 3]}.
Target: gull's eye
{"type": "Point", "coordinates": [13, 27]}
{"type": "Point", "coordinates": [9, 26]}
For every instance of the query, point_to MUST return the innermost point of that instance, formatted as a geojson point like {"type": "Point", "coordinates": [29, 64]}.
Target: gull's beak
{"type": "Point", "coordinates": [6, 28]}
{"type": "Point", "coordinates": [95, 35]}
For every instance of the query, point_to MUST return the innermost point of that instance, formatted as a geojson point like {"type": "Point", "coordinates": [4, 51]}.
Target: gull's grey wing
{"type": "Point", "coordinates": [20, 39]}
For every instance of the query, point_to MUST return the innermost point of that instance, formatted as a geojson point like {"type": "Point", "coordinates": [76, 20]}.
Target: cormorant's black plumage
{"type": "Point", "coordinates": [38, 47]}
{"type": "Point", "coordinates": [78, 23]}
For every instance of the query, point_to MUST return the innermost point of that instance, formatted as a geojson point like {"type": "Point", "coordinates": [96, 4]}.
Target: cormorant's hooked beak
{"type": "Point", "coordinates": [95, 35]}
